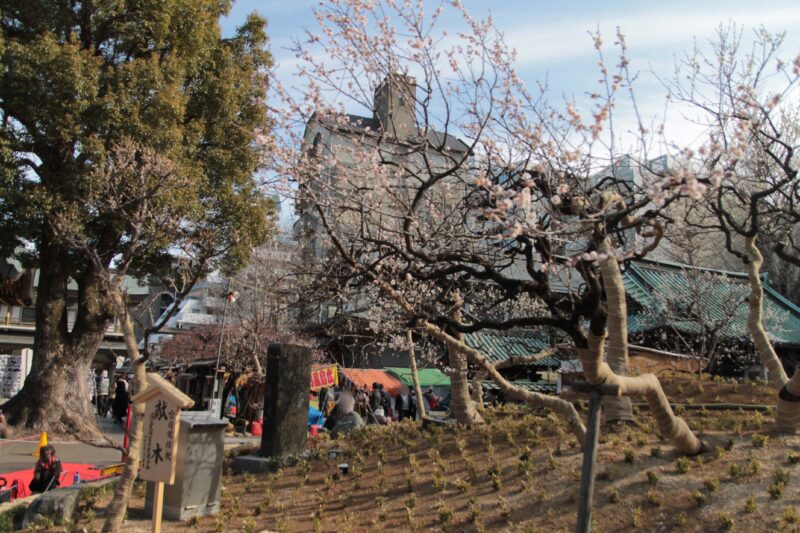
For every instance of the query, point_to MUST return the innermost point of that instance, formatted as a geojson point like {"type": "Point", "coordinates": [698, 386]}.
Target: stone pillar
{"type": "Point", "coordinates": [286, 400]}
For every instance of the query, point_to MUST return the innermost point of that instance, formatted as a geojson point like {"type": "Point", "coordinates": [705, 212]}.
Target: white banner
{"type": "Point", "coordinates": [13, 371]}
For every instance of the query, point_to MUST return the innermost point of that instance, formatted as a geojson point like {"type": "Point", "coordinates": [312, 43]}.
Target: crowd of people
{"type": "Point", "coordinates": [345, 409]}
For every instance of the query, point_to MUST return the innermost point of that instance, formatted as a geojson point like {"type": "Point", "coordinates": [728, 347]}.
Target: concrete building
{"type": "Point", "coordinates": [394, 132]}
{"type": "Point", "coordinates": [18, 312]}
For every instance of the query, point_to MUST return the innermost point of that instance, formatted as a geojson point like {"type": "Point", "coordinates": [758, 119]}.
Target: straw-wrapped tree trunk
{"type": "Point", "coordinates": [647, 385]}
{"type": "Point", "coordinates": [788, 415]}
{"type": "Point", "coordinates": [616, 409]}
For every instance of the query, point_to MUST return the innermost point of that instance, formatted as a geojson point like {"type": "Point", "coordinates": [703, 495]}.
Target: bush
{"type": "Point", "coordinates": [411, 501]}
{"type": "Point", "coordinates": [725, 522]}
{"type": "Point", "coordinates": [711, 484]}
{"type": "Point", "coordinates": [781, 476]}
{"type": "Point", "coordinates": [750, 505]}
{"type": "Point", "coordinates": [699, 498]}
{"type": "Point", "coordinates": [462, 485]}
{"type": "Point", "coordinates": [474, 510]}
{"type": "Point", "coordinates": [629, 455]}
{"type": "Point", "coordinates": [655, 452]}
{"type": "Point", "coordinates": [683, 465]}
{"type": "Point", "coordinates": [10, 519]}
{"type": "Point", "coordinates": [759, 441]}
{"type": "Point", "coordinates": [776, 489]}
{"type": "Point", "coordinates": [637, 517]}
{"type": "Point", "coordinates": [445, 512]}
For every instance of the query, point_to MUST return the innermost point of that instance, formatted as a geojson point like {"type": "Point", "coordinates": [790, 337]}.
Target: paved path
{"type": "Point", "coordinates": [17, 454]}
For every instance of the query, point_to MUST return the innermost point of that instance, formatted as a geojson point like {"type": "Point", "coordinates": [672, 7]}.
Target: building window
{"type": "Point", "coordinates": [29, 315]}
{"type": "Point", "coordinates": [164, 301]}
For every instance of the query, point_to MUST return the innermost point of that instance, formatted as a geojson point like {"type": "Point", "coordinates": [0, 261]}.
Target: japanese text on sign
{"type": "Point", "coordinates": [160, 440]}
{"type": "Point", "coordinates": [13, 370]}
{"type": "Point", "coordinates": [326, 376]}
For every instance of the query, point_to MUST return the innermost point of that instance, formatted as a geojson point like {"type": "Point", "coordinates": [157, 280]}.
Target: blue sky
{"type": "Point", "coordinates": [552, 38]}
{"type": "Point", "coordinates": [552, 41]}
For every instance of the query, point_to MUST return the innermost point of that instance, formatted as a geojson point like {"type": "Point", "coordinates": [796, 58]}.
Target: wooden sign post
{"type": "Point", "coordinates": [163, 404]}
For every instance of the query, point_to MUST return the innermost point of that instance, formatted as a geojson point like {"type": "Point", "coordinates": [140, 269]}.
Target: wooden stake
{"type": "Point", "coordinates": [421, 411]}
{"type": "Point", "coordinates": [589, 462]}
{"type": "Point", "coordinates": [158, 507]}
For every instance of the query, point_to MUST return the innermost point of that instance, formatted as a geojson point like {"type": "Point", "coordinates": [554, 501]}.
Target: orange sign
{"type": "Point", "coordinates": [325, 376]}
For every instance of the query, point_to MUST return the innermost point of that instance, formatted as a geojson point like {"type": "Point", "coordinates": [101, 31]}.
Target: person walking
{"type": "Point", "coordinates": [374, 402]}
{"type": "Point", "coordinates": [91, 386]}
{"type": "Point", "coordinates": [362, 400]}
{"type": "Point", "coordinates": [386, 400]}
{"type": "Point", "coordinates": [322, 400]}
{"type": "Point", "coordinates": [403, 405]}
{"type": "Point", "coordinates": [102, 394]}
{"type": "Point", "coordinates": [121, 400]}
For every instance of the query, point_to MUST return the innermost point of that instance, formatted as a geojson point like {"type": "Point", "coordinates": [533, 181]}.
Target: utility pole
{"type": "Point", "coordinates": [216, 401]}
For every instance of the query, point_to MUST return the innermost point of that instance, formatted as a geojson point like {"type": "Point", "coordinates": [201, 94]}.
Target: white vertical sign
{"type": "Point", "coordinates": [13, 371]}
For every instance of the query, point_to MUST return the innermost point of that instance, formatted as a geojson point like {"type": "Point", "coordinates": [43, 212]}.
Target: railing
{"type": "Point", "coordinates": [27, 323]}
{"type": "Point", "coordinates": [17, 321]}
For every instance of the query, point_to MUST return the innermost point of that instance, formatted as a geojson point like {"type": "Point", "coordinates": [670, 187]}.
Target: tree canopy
{"type": "Point", "coordinates": [130, 133]}
{"type": "Point", "coordinates": [80, 78]}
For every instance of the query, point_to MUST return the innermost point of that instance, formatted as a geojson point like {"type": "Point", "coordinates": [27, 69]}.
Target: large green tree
{"type": "Point", "coordinates": [79, 80]}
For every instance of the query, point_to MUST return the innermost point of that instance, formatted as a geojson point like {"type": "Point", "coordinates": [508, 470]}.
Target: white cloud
{"type": "Point", "coordinates": [568, 38]}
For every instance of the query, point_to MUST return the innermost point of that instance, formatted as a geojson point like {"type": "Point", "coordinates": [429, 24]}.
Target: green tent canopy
{"type": "Point", "coordinates": [428, 377]}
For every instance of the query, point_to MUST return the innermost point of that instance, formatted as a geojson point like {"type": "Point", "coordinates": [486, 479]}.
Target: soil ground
{"type": "Point", "coordinates": [520, 472]}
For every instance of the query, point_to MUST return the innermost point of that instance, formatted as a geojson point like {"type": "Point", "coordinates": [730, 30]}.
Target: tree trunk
{"type": "Point", "coordinates": [119, 504]}
{"type": "Point", "coordinates": [616, 409]}
{"type": "Point", "coordinates": [460, 401]}
{"type": "Point", "coordinates": [421, 411]}
{"type": "Point", "coordinates": [788, 413]}
{"type": "Point", "coordinates": [598, 371]}
{"type": "Point", "coordinates": [477, 389]}
{"type": "Point", "coordinates": [561, 407]}
{"type": "Point", "coordinates": [55, 397]}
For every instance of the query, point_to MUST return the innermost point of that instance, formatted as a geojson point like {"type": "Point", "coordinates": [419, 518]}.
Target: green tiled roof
{"type": "Point", "coordinates": [645, 279]}
{"type": "Point", "coordinates": [534, 386]}
{"type": "Point", "coordinates": [499, 346]}
{"type": "Point", "coordinates": [428, 377]}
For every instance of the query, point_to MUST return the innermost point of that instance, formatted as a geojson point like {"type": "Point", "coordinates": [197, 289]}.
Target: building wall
{"type": "Point", "coordinates": [641, 362]}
